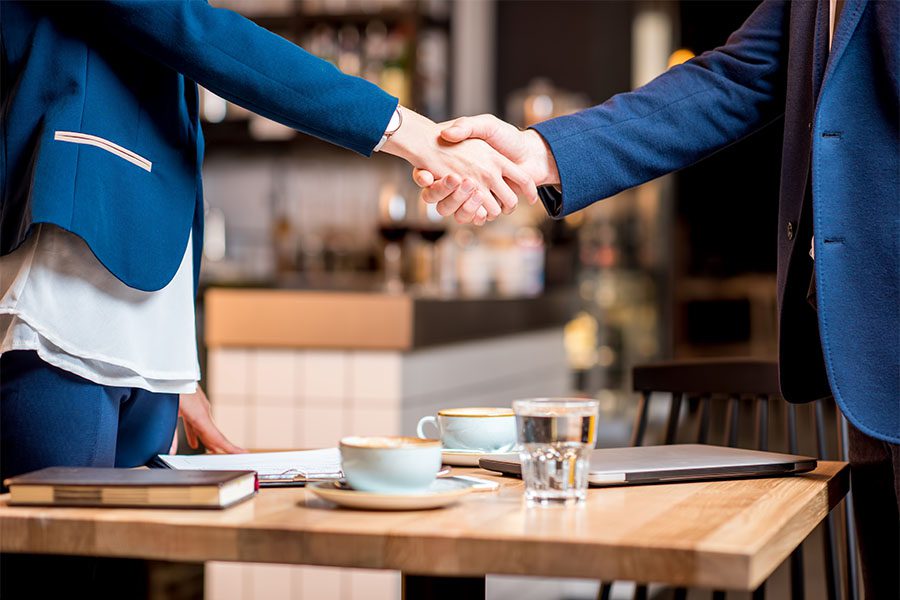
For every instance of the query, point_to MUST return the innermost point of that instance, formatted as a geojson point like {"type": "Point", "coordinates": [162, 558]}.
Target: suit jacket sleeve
{"type": "Point", "coordinates": [248, 65]}
{"type": "Point", "coordinates": [682, 116]}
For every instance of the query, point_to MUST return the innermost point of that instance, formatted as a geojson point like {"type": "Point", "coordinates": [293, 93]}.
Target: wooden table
{"type": "Point", "coordinates": [723, 535]}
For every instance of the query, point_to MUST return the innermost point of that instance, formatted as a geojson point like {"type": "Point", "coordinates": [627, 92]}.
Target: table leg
{"type": "Point", "coordinates": [424, 587]}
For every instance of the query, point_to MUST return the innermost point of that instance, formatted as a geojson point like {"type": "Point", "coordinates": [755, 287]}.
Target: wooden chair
{"type": "Point", "coordinates": [699, 386]}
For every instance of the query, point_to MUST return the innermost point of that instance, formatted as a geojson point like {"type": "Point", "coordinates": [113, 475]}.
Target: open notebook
{"type": "Point", "coordinates": [273, 468]}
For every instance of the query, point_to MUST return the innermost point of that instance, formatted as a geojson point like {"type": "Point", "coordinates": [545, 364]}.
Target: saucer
{"type": "Point", "coordinates": [465, 458]}
{"type": "Point", "coordinates": [442, 492]}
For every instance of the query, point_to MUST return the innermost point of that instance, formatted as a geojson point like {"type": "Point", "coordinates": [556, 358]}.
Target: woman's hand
{"type": "Point", "coordinates": [487, 177]}
{"type": "Point", "coordinates": [199, 426]}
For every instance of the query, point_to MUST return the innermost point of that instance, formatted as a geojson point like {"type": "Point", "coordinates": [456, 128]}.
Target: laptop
{"type": "Point", "coordinates": [664, 464]}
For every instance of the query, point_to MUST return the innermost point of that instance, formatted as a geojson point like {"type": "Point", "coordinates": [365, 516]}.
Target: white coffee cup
{"type": "Point", "coordinates": [484, 429]}
{"type": "Point", "coordinates": [390, 464]}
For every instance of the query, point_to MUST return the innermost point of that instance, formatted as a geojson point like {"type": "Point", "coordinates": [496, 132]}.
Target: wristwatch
{"type": "Point", "coordinates": [392, 127]}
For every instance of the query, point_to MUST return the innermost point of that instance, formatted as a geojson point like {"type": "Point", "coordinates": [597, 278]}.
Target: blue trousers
{"type": "Point", "coordinates": [49, 417]}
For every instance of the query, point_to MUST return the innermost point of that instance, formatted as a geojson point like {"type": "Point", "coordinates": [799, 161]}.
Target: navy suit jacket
{"type": "Point", "coordinates": [100, 129]}
{"type": "Point", "coordinates": [840, 178]}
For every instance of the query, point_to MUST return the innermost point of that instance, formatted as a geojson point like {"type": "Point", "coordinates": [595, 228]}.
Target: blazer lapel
{"type": "Point", "coordinates": [820, 46]}
{"type": "Point", "coordinates": [853, 10]}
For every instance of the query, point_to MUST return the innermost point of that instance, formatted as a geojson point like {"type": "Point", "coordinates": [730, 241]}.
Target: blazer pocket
{"type": "Point", "coordinates": [75, 137]}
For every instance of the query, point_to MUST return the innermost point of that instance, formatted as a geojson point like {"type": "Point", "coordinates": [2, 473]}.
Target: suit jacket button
{"type": "Point", "coordinates": [790, 230]}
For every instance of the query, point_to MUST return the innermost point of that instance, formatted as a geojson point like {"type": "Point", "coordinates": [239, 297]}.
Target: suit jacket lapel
{"type": "Point", "coordinates": [853, 10]}
{"type": "Point", "coordinates": [820, 46]}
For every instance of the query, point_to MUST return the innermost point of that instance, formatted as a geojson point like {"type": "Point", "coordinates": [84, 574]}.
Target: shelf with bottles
{"type": "Point", "coordinates": [400, 45]}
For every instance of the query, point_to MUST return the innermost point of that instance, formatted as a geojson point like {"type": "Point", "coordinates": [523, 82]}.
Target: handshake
{"type": "Point", "coordinates": [473, 168]}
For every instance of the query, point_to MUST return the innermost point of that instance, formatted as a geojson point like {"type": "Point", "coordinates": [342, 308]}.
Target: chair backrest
{"type": "Point", "coordinates": [698, 383]}
{"type": "Point", "coordinates": [699, 386]}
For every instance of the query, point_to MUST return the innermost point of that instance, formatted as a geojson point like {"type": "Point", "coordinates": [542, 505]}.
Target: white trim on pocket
{"type": "Point", "coordinates": [75, 137]}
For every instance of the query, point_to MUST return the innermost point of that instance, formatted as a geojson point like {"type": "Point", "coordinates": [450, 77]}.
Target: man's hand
{"type": "Point", "coordinates": [527, 149]}
{"type": "Point", "coordinates": [492, 177]}
{"type": "Point", "coordinates": [199, 427]}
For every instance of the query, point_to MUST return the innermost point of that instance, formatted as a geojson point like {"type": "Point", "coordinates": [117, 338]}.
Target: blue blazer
{"type": "Point", "coordinates": [840, 178]}
{"type": "Point", "coordinates": [100, 124]}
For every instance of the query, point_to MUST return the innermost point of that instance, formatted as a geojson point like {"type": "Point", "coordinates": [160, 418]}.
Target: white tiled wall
{"type": "Point", "coordinates": [280, 399]}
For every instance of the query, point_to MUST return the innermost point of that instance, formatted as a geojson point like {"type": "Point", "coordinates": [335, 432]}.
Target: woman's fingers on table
{"type": "Point", "coordinates": [199, 426]}
{"type": "Point", "coordinates": [215, 441]}
{"type": "Point", "coordinates": [191, 437]}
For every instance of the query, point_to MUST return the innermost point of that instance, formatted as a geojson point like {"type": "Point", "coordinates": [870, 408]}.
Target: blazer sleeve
{"type": "Point", "coordinates": [248, 65]}
{"type": "Point", "coordinates": [682, 116]}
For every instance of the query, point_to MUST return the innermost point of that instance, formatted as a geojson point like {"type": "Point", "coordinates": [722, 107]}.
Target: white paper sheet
{"type": "Point", "coordinates": [270, 466]}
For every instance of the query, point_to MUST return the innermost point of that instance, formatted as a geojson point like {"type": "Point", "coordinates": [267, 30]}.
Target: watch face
{"type": "Point", "coordinates": [394, 123]}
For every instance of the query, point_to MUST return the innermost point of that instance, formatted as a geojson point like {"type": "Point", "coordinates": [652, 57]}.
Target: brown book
{"type": "Point", "coordinates": [156, 488]}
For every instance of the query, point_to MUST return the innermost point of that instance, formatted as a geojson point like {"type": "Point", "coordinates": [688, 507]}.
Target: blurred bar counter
{"type": "Point", "coordinates": [279, 318]}
{"type": "Point", "coordinates": [291, 368]}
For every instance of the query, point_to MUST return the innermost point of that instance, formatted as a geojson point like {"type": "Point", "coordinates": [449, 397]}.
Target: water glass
{"type": "Point", "coordinates": [556, 437]}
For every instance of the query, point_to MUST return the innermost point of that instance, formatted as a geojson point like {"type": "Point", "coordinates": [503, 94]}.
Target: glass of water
{"type": "Point", "coordinates": [556, 436]}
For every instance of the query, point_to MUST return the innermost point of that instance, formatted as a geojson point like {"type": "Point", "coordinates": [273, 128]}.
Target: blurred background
{"type": "Point", "coordinates": [683, 266]}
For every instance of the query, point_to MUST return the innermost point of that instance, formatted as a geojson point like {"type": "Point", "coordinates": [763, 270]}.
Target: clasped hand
{"type": "Point", "coordinates": [458, 192]}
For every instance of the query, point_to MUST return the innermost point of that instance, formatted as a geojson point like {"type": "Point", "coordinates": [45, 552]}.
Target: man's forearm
{"type": "Point", "coordinates": [546, 172]}
{"type": "Point", "coordinates": [677, 119]}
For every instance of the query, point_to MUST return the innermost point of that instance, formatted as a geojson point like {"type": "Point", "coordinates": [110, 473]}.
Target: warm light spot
{"type": "Point", "coordinates": [682, 55]}
{"type": "Point", "coordinates": [575, 220]}
{"type": "Point", "coordinates": [214, 107]}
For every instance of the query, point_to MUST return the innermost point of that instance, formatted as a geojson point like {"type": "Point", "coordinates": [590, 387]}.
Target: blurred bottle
{"type": "Point", "coordinates": [375, 50]}
{"type": "Point", "coordinates": [474, 265]}
{"type": "Point", "coordinates": [349, 50]}
{"type": "Point", "coordinates": [540, 101]}
{"type": "Point", "coordinates": [284, 236]}
{"type": "Point", "coordinates": [430, 227]}
{"type": "Point", "coordinates": [393, 227]}
{"type": "Point", "coordinates": [214, 238]}
{"type": "Point", "coordinates": [619, 296]}
{"type": "Point", "coordinates": [395, 74]}
{"type": "Point", "coordinates": [520, 264]}
{"type": "Point", "coordinates": [432, 63]}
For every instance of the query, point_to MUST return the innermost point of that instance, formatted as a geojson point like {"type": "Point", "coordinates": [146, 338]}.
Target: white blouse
{"type": "Point", "coordinates": [56, 298]}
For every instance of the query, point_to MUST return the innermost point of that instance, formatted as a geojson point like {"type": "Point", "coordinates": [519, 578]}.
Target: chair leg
{"type": "Point", "coordinates": [797, 584]}
{"type": "Point", "coordinates": [604, 591]}
{"type": "Point", "coordinates": [732, 416]}
{"type": "Point", "coordinates": [640, 420]}
{"type": "Point", "coordinates": [852, 582]}
{"type": "Point", "coordinates": [760, 592]}
{"type": "Point", "coordinates": [416, 587]}
{"type": "Point", "coordinates": [832, 569]}
{"type": "Point", "coordinates": [797, 555]}
{"type": "Point", "coordinates": [762, 422]}
{"type": "Point", "coordinates": [703, 420]}
{"type": "Point", "coordinates": [792, 428]}
{"type": "Point", "coordinates": [674, 414]}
